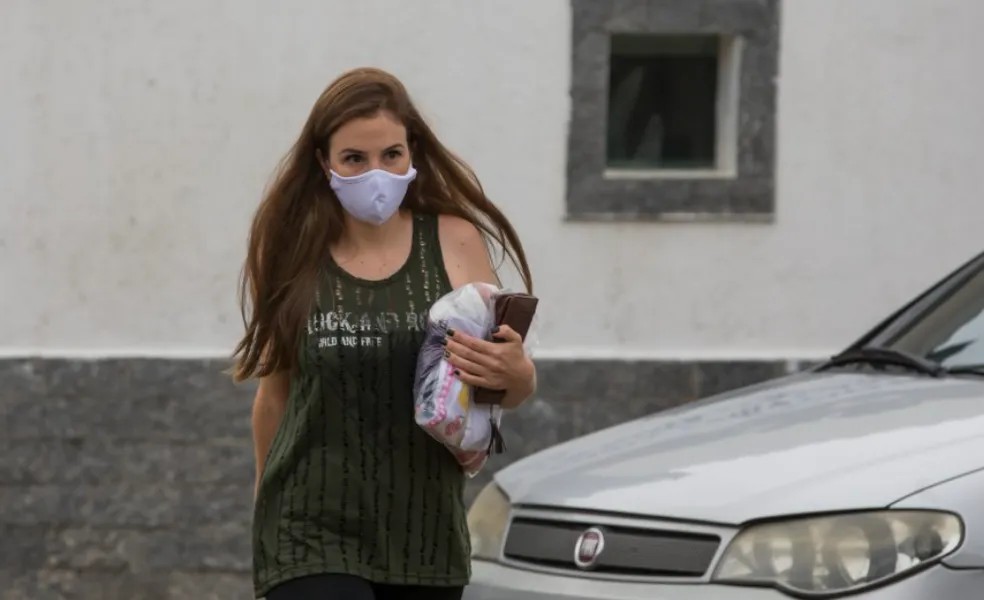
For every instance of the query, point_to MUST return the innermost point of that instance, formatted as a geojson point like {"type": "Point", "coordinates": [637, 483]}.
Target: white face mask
{"type": "Point", "coordinates": [374, 196]}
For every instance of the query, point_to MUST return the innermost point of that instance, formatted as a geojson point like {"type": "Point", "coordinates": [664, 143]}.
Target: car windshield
{"type": "Point", "coordinates": [951, 332]}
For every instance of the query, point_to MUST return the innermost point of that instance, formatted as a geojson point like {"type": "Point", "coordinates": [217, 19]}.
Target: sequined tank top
{"type": "Point", "coordinates": [351, 484]}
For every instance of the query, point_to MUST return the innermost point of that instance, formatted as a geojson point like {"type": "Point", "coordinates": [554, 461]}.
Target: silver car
{"type": "Point", "coordinates": [862, 477]}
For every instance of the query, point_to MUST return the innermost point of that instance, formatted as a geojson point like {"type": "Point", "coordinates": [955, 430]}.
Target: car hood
{"type": "Point", "coordinates": [802, 444]}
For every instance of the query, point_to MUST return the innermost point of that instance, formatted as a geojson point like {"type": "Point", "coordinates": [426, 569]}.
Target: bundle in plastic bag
{"type": "Point", "coordinates": [443, 404]}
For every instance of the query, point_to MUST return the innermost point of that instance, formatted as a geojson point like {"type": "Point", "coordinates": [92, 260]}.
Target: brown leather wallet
{"type": "Point", "coordinates": [515, 310]}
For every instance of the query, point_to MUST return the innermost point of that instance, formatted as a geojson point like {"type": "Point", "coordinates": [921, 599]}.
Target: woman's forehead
{"type": "Point", "coordinates": [369, 133]}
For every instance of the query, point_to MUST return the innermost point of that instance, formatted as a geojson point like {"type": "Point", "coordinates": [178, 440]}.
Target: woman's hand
{"type": "Point", "coordinates": [500, 365]}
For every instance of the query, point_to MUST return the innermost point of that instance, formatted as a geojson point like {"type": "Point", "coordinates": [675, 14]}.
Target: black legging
{"type": "Point", "coordinates": [349, 587]}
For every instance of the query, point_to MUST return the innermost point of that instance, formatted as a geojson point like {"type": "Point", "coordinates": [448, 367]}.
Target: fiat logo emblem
{"type": "Point", "coordinates": [588, 548]}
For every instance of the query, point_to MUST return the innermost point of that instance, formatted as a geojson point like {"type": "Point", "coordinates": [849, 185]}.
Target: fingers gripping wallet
{"type": "Point", "coordinates": [515, 310]}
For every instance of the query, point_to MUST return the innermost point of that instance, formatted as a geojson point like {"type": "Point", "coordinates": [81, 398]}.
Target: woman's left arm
{"type": "Point", "coordinates": [499, 365]}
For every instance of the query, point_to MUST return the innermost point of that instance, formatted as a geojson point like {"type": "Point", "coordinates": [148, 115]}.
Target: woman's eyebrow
{"type": "Point", "coordinates": [398, 146]}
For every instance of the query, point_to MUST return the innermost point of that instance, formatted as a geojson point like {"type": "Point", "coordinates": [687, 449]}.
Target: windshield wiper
{"type": "Point", "coordinates": [966, 370]}
{"type": "Point", "coordinates": [877, 355]}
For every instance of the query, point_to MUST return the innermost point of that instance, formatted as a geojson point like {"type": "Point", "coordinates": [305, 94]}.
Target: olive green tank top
{"type": "Point", "coordinates": [352, 484]}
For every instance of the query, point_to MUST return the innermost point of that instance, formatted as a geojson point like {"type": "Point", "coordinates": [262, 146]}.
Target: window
{"type": "Point", "coordinates": [952, 331]}
{"type": "Point", "coordinates": [662, 95]}
{"type": "Point", "coordinates": [673, 109]}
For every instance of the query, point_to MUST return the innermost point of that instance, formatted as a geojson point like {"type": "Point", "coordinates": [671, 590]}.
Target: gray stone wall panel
{"type": "Point", "coordinates": [133, 478]}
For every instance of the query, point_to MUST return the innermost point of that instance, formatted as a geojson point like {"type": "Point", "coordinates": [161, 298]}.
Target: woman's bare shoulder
{"type": "Point", "coordinates": [457, 229]}
{"type": "Point", "coordinates": [466, 256]}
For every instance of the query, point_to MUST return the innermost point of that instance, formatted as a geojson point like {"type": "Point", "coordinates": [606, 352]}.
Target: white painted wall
{"type": "Point", "coordinates": [137, 137]}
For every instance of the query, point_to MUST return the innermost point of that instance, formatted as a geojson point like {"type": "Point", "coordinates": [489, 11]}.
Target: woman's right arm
{"type": "Point", "coordinates": [269, 407]}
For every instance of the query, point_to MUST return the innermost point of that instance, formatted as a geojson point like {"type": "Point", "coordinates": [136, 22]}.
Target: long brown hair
{"type": "Point", "coordinates": [300, 217]}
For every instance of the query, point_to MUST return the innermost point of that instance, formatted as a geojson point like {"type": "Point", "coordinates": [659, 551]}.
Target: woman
{"type": "Point", "coordinates": [369, 221]}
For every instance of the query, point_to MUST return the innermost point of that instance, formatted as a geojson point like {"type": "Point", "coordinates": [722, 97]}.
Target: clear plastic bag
{"type": "Point", "coordinates": [443, 404]}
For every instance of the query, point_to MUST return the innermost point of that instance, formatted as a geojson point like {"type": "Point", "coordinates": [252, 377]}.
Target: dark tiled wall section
{"type": "Point", "coordinates": [132, 479]}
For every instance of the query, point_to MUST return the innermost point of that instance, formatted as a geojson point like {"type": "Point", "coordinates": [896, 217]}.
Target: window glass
{"type": "Point", "coordinates": [952, 333]}
{"type": "Point", "coordinates": [662, 102]}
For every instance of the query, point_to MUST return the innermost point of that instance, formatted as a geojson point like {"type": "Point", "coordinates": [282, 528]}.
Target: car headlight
{"type": "Point", "coordinates": [840, 554]}
{"type": "Point", "coordinates": [487, 520]}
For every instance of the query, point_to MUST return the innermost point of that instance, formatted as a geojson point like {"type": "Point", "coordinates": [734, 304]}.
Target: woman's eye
{"type": "Point", "coordinates": [353, 158]}
{"type": "Point", "coordinates": [394, 154]}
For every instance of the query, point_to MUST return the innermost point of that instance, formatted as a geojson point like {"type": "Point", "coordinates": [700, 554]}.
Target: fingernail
{"type": "Point", "coordinates": [447, 354]}
{"type": "Point", "coordinates": [450, 332]}
{"type": "Point", "coordinates": [457, 372]}
{"type": "Point", "coordinates": [496, 330]}
{"type": "Point", "coordinates": [444, 341]}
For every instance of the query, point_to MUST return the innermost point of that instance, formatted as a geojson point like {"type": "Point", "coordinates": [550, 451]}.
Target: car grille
{"type": "Point", "coordinates": [627, 551]}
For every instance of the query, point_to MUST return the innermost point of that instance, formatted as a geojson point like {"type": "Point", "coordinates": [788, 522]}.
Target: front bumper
{"type": "Point", "coordinates": [491, 581]}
